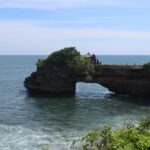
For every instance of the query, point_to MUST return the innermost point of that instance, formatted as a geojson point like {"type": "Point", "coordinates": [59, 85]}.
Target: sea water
{"type": "Point", "coordinates": [31, 122]}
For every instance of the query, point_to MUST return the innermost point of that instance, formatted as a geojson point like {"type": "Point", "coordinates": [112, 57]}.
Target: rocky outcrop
{"type": "Point", "coordinates": [51, 80]}
{"type": "Point", "coordinates": [122, 79]}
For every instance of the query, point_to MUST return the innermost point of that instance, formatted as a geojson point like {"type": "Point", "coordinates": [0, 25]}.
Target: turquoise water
{"type": "Point", "coordinates": [28, 122]}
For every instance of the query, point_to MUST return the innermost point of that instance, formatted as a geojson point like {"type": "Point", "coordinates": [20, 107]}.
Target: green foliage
{"type": "Point", "coordinates": [64, 56]}
{"type": "Point", "coordinates": [44, 148]}
{"type": "Point", "coordinates": [146, 66]}
{"type": "Point", "coordinates": [69, 58]}
{"type": "Point", "coordinates": [129, 137]}
{"type": "Point", "coordinates": [40, 63]}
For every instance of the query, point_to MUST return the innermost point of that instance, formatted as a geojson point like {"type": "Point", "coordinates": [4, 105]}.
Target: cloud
{"type": "Point", "coordinates": [22, 26]}
{"type": "Point", "coordinates": [23, 37]}
{"type": "Point", "coordinates": [60, 4]}
{"type": "Point", "coordinates": [51, 4]}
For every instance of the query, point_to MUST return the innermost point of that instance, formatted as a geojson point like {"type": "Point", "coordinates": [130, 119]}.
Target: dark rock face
{"type": "Point", "coordinates": [51, 80]}
{"type": "Point", "coordinates": [121, 79]}
{"type": "Point", "coordinates": [129, 80]}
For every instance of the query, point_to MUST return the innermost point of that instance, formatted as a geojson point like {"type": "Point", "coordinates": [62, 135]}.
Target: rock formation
{"type": "Point", "coordinates": [121, 79]}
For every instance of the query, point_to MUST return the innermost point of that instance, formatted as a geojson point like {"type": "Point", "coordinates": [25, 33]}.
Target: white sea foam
{"type": "Point", "coordinates": [21, 138]}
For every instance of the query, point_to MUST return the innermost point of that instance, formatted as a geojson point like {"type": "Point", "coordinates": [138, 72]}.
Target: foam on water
{"type": "Point", "coordinates": [21, 138]}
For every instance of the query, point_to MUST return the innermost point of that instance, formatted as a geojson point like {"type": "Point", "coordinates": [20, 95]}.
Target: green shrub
{"type": "Point", "coordinates": [69, 58]}
{"type": "Point", "coordinates": [129, 137]}
{"type": "Point", "coordinates": [146, 66]}
{"type": "Point", "coordinates": [64, 55]}
{"type": "Point", "coordinates": [40, 63]}
{"type": "Point", "coordinates": [44, 148]}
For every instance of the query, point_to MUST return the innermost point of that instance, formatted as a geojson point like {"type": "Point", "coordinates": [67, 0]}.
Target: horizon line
{"type": "Point", "coordinates": [83, 54]}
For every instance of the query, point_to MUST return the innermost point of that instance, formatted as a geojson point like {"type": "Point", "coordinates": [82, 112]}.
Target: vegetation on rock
{"type": "Point", "coordinates": [40, 63]}
{"type": "Point", "coordinates": [44, 148]}
{"type": "Point", "coordinates": [146, 66]}
{"type": "Point", "coordinates": [129, 137]}
{"type": "Point", "coordinates": [69, 58]}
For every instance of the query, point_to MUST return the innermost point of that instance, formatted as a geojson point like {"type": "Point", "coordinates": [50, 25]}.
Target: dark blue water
{"type": "Point", "coordinates": [28, 122]}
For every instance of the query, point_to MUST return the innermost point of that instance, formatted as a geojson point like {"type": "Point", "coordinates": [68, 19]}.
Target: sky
{"type": "Point", "coordinates": [103, 27]}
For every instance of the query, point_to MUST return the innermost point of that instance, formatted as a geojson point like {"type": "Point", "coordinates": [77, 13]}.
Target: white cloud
{"type": "Point", "coordinates": [24, 38]}
{"type": "Point", "coordinates": [56, 4]}
{"type": "Point", "coordinates": [31, 26]}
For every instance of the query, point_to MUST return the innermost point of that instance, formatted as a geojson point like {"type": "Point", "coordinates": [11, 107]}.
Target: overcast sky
{"type": "Point", "coordinates": [35, 27]}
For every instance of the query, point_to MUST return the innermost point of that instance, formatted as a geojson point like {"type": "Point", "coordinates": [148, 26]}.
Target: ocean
{"type": "Point", "coordinates": [31, 122]}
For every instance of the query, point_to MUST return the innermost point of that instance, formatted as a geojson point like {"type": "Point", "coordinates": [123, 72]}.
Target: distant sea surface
{"type": "Point", "coordinates": [31, 122]}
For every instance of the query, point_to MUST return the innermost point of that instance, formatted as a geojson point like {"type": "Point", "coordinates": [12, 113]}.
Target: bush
{"type": "Point", "coordinates": [129, 137]}
{"type": "Point", "coordinates": [40, 63]}
{"type": "Point", "coordinates": [146, 66]}
{"type": "Point", "coordinates": [44, 148]}
{"type": "Point", "coordinates": [69, 58]}
{"type": "Point", "coordinates": [63, 56]}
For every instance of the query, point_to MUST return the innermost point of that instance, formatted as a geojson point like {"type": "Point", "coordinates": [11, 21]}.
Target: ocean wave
{"type": "Point", "coordinates": [21, 138]}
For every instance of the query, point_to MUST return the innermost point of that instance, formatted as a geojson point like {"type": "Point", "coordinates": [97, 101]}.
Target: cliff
{"type": "Point", "coordinates": [51, 80]}
{"type": "Point", "coordinates": [124, 79]}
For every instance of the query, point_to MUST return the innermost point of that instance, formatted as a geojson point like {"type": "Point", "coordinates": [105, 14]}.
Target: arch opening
{"type": "Point", "coordinates": [90, 90]}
